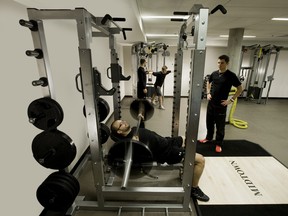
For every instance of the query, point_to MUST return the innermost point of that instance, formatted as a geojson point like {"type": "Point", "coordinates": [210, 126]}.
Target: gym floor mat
{"type": "Point", "coordinates": [243, 179]}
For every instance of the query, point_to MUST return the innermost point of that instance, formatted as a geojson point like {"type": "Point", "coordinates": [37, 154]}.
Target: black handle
{"type": "Point", "coordinates": [32, 25]}
{"type": "Point", "coordinates": [219, 7]}
{"type": "Point", "coordinates": [105, 19]}
{"type": "Point", "coordinates": [119, 19]}
{"type": "Point", "coordinates": [37, 53]}
{"type": "Point", "coordinates": [124, 33]}
{"type": "Point", "coordinates": [180, 13]}
{"type": "Point", "coordinates": [177, 20]}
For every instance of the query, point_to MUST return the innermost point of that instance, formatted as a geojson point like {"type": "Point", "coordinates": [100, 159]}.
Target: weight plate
{"type": "Point", "coordinates": [53, 149]}
{"type": "Point", "coordinates": [69, 179]}
{"type": "Point", "coordinates": [141, 106]}
{"type": "Point", "coordinates": [142, 158]}
{"type": "Point", "coordinates": [55, 195]}
{"type": "Point", "coordinates": [104, 133]}
{"type": "Point", "coordinates": [103, 109]}
{"type": "Point", "coordinates": [45, 113]}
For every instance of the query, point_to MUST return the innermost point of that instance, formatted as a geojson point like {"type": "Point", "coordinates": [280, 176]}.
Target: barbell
{"type": "Point", "coordinates": [128, 154]}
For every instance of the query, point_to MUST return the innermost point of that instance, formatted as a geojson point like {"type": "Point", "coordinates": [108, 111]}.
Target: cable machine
{"type": "Point", "coordinates": [151, 52]}
{"type": "Point", "coordinates": [255, 76]}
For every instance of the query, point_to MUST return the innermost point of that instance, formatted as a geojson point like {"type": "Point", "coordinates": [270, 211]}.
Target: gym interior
{"type": "Point", "coordinates": [69, 70]}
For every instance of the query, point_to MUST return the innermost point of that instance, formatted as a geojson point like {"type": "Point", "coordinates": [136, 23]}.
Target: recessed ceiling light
{"type": "Point", "coordinates": [245, 36]}
{"type": "Point", "coordinates": [280, 19]}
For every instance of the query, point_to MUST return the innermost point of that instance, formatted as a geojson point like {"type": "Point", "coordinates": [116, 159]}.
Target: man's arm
{"type": "Point", "coordinates": [208, 89]}
{"type": "Point", "coordinates": [237, 93]}
{"type": "Point", "coordinates": [231, 100]}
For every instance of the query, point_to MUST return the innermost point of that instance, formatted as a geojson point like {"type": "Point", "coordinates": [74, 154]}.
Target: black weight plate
{"type": "Point", "coordinates": [45, 113]}
{"type": "Point", "coordinates": [70, 180]}
{"type": "Point", "coordinates": [142, 158]}
{"type": "Point", "coordinates": [104, 133]}
{"type": "Point", "coordinates": [65, 185]}
{"type": "Point", "coordinates": [67, 179]}
{"type": "Point", "coordinates": [103, 109]}
{"type": "Point", "coordinates": [53, 149]}
{"type": "Point", "coordinates": [135, 109]}
{"type": "Point", "coordinates": [54, 195]}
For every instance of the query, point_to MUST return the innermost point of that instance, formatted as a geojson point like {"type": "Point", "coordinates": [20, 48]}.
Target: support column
{"type": "Point", "coordinates": [234, 49]}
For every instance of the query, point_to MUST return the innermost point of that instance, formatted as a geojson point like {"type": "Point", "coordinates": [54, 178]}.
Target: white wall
{"type": "Point", "coordinates": [21, 174]}
{"type": "Point", "coordinates": [279, 84]}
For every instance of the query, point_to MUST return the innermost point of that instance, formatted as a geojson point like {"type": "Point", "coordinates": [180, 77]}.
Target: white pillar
{"type": "Point", "coordinates": [234, 49]}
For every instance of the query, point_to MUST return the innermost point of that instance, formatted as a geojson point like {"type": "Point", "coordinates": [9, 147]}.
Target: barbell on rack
{"type": "Point", "coordinates": [128, 155]}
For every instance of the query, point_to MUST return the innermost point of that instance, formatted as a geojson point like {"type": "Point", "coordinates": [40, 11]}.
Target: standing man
{"type": "Point", "coordinates": [218, 88]}
{"type": "Point", "coordinates": [160, 77]}
{"type": "Point", "coordinates": [141, 83]}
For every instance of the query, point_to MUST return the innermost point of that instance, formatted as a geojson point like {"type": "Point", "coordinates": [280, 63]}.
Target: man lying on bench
{"type": "Point", "coordinates": [164, 149]}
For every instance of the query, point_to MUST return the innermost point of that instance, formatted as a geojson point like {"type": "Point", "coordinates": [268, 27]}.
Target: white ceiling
{"type": "Point", "coordinates": [252, 15]}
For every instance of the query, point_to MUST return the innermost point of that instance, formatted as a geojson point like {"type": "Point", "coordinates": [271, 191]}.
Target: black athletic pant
{"type": "Point", "coordinates": [140, 93]}
{"type": "Point", "coordinates": [216, 115]}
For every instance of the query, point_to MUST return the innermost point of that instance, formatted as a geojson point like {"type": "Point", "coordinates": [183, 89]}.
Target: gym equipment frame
{"type": "Point", "coordinates": [255, 75]}
{"type": "Point", "coordinates": [85, 23]}
{"type": "Point", "coordinates": [151, 51]}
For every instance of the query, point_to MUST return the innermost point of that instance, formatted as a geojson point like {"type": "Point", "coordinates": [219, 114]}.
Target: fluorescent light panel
{"type": "Point", "coordinates": [245, 36]}
{"type": "Point", "coordinates": [280, 19]}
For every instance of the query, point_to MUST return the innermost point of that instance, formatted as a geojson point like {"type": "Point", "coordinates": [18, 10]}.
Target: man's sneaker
{"type": "Point", "coordinates": [218, 149]}
{"type": "Point", "coordinates": [162, 107]}
{"type": "Point", "coordinates": [204, 140]}
{"type": "Point", "coordinates": [199, 195]}
{"type": "Point", "coordinates": [154, 103]}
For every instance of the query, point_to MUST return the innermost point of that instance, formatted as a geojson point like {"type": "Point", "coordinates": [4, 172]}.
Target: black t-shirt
{"type": "Point", "coordinates": [160, 77]}
{"type": "Point", "coordinates": [164, 149]}
{"type": "Point", "coordinates": [141, 77]}
{"type": "Point", "coordinates": [221, 85]}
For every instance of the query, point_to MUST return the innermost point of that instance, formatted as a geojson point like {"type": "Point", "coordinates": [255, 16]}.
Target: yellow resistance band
{"type": "Point", "coordinates": [236, 122]}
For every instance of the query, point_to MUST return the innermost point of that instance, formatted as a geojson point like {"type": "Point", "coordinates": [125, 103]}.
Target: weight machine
{"type": "Point", "coordinates": [255, 76]}
{"type": "Point", "coordinates": [91, 89]}
{"type": "Point", "coordinates": [52, 148]}
{"type": "Point", "coordinates": [151, 51]}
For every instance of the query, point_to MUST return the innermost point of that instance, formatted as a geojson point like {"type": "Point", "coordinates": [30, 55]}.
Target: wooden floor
{"type": "Point", "coordinates": [245, 180]}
